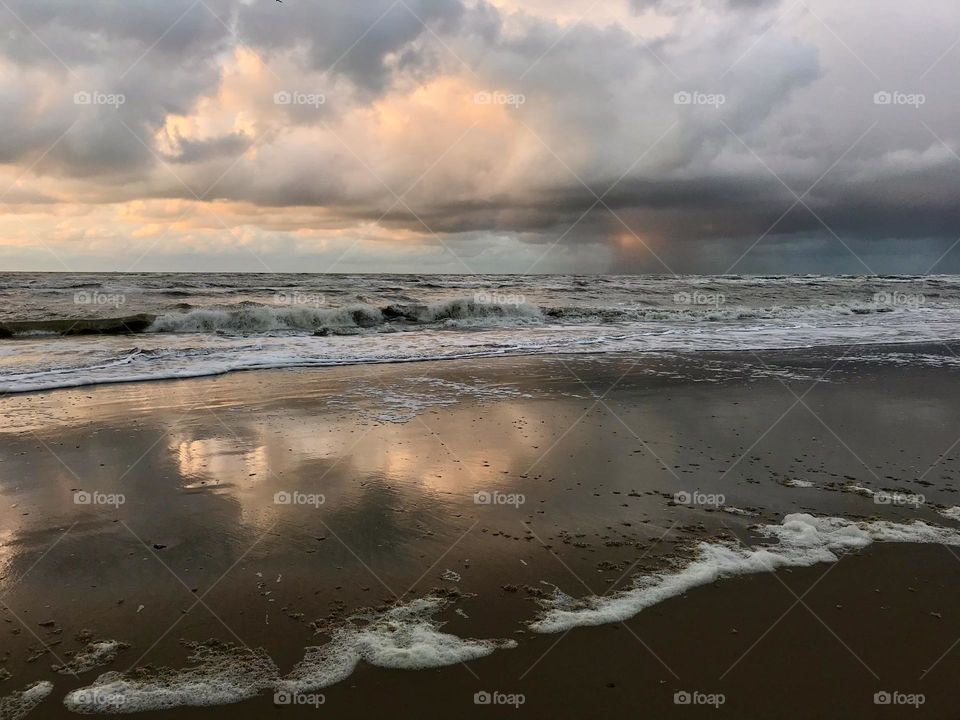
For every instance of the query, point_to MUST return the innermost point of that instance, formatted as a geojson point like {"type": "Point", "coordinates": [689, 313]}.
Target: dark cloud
{"type": "Point", "coordinates": [158, 58]}
{"type": "Point", "coordinates": [793, 107]}
{"type": "Point", "coordinates": [354, 39]}
{"type": "Point", "coordinates": [81, 32]}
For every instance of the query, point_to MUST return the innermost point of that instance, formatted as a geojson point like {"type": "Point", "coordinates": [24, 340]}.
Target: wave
{"type": "Point", "coordinates": [248, 318]}
{"type": "Point", "coordinates": [178, 363]}
{"type": "Point", "coordinates": [709, 312]}
{"type": "Point", "coordinates": [78, 326]}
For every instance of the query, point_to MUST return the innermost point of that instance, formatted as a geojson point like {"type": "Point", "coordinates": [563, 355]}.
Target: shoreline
{"type": "Point", "coordinates": [874, 350]}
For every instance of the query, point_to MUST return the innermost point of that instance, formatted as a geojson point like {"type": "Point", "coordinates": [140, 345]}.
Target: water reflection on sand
{"type": "Point", "coordinates": [200, 547]}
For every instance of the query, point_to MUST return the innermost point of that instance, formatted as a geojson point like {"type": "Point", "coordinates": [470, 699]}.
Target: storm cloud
{"type": "Point", "coordinates": [653, 135]}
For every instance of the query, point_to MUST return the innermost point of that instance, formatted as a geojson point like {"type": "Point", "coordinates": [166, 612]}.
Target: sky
{"type": "Point", "coordinates": [521, 136]}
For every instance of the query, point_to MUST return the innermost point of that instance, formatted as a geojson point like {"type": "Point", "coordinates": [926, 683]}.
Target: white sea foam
{"type": "Point", "coordinates": [400, 403]}
{"type": "Point", "coordinates": [19, 704]}
{"type": "Point", "coordinates": [803, 540]}
{"type": "Point", "coordinates": [737, 511]}
{"type": "Point", "coordinates": [405, 637]}
{"type": "Point", "coordinates": [794, 482]}
{"type": "Point", "coordinates": [220, 674]}
{"type": "Point", "coordinates": [952, 513]}
{"type": "Point", "coordinates": [92, 655]}
{"type": "Point", "coordinates": [34, 365]}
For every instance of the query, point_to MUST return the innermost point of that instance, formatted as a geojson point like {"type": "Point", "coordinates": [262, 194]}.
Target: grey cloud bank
{"type": "Point", "coordinates": [814, 127]}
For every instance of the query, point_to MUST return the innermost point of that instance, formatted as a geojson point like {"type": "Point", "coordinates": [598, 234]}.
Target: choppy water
{"type": "Point", "coordinates": [65, 330]}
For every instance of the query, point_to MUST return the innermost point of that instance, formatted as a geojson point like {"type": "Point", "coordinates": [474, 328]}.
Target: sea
{"type": "Point", "coordinates": [62, 330]}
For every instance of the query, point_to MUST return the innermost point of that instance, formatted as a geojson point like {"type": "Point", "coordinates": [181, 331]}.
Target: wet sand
{"type": "Point", "coordinates": [598, 448]}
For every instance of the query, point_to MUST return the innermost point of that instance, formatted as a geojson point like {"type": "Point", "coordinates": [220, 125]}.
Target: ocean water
{"type": "Point", "coordinates": [67, 330]}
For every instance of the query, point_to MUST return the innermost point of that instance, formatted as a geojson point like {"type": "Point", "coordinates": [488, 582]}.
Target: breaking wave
{"type": "Point", "coordinates": [462, 313]}
{"type": "Point", "coordinates": [249, 318]}
{"type": "Point", "coordinates": [260, 319]}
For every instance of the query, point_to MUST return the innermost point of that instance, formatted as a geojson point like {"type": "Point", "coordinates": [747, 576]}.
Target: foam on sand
{"type": "Point", "coordinates": [19, 704]}
{"type": "Point", "coordinates": [221, 674]}
{"type": "Point", "coordinates": [405, 637]}
{"type": "Point", "coordinates": [92, 655]}
{"type": "Point", "coordinates": [737, 511]}
{"type": "Point", "coordinates": [804, 540]}
{"type": "Point", "coordinates": [953, 513]}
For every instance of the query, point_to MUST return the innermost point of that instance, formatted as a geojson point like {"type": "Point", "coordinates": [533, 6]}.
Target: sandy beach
{"type": "Point", "coordinates": [264, 510]}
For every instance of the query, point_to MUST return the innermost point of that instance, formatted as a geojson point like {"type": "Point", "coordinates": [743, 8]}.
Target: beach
{"type": "Point", "coordinates": [415, 359]}
{"type": "Point", "coordinates": [455, 507]}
